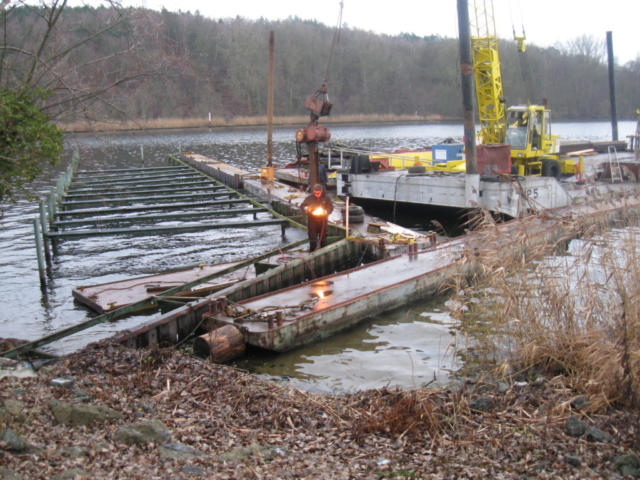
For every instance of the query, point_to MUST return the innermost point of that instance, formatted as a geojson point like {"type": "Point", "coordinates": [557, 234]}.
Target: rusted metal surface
{"type": "Point", "coordinates": [333, 303]}
{"type": "Point", "coordinates": [270, 98]}
{"type": "Point", "coordinates": [319, 263]}
{"type": "Point", "coordinates": [113, 295]}
{"type": "Point", "coordinates": [110, 296]}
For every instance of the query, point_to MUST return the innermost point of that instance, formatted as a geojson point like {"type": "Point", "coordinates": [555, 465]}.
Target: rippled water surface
{"type": "Point", "coordinates": [406, 347]}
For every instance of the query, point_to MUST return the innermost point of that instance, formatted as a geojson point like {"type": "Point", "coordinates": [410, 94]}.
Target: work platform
{"type": "Point", "coordinates": [505, 194]}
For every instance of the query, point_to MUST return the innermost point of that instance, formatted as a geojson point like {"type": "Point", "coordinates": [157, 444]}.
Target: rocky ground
{"type": "Point", "coordinates": [115, 413]}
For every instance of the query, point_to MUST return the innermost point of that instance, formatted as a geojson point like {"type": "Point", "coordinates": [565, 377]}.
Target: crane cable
{"type": "Point", "coordinates": [524, 63]}
{"type": "Point", "coordinates": [336, 39]}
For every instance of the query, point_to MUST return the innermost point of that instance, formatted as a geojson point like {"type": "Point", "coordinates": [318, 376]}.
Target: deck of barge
{"type": "Point", "coordinates": [325, 306]}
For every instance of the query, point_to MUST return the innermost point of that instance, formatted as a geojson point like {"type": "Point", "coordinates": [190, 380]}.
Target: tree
{"type": "Point", "coordinates": [27, 140]}
{"type": "Point", "coordinates": [54, 66]}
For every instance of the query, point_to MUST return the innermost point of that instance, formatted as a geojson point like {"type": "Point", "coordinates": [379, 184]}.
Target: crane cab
{"type": "Point", "coordinates": [534, 149]}
{"type": "Point", "coordinates": [529, 132]}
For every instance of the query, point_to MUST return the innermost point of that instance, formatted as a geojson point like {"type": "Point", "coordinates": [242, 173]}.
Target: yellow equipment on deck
{"type": "Point", "coordinates": [527, 128]}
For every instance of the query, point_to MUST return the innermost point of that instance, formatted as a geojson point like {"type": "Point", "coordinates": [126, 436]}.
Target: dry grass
{"type": "Point", "coordinates": [534, 309]}
{"type": "Point", "coordinates": [176, 123]}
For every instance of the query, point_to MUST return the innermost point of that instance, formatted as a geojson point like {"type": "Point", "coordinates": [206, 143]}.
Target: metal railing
{"type": "Point", "coordinates": [336, 157]}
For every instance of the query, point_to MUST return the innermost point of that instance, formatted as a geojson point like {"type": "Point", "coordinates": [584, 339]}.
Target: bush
{"type": "Point", "coordinates": [27, 140]}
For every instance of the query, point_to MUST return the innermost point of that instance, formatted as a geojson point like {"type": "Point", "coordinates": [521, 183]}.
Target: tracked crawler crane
{"type": "Point", "coordinates": [526, 128]}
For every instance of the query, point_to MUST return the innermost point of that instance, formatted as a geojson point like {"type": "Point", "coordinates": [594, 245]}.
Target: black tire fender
{"type": "Point", "coordinates": [353, 210]}
{"type": "Point", "coordinates": [551, 168]}
{"type": "Point", "coordinates": [356, 218]}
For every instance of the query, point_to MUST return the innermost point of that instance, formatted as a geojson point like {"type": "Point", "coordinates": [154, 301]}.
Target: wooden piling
{"type": "Point", "coordinates": [45, 230]}
{"type": "Point", "coordinates": [41, 265]}
{"type": "Point", "coordinates": [50, 206]}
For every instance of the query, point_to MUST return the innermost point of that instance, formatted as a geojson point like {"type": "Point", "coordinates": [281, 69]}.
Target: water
{"type": "Point", "coordinates": [406, 347]}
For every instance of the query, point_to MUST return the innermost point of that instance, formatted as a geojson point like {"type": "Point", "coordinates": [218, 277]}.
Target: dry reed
{"type": "Point", "coordinates": [533, 309]}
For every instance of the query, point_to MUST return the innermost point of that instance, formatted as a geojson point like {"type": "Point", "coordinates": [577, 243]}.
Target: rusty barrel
{"type": "Point", "coordinates": [221, 344]}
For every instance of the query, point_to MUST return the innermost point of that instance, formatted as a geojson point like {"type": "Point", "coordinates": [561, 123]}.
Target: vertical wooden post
{"type": "Point", "coordinates": [45, 230]}
{"type": "Point", "coordinates": [50, 205]}
{"type": "Point", "coordinates": [41, 266]}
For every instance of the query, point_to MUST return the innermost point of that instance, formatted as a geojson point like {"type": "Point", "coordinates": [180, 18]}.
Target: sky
{"type": "Point", "coordinates": [546, 22]}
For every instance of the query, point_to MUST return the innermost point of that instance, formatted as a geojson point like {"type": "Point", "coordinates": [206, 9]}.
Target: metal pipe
{"type": "Point", "coordinates": [58, 193]}
{"type": "Point", "coordinates": [108, 219]}
{"type": "Point", "coordinates": [346, 216]}
{"type": "Point", "coordinates": [112, 171]}
{"type": "Point", "coordinates": [160, 230]}
{"type": "Point", "coordinates": [54, 206]}
{"type": "Point", "coordinates": [167, 189]}
{"type": "Point", "coordinates": [50, 202]}
{"type": "Point", "coordinates": [313, 164]}
{"type": "Point", "coordinates": [466, 71]}
{"type": "Point", "coordinates": [150, 207]}
{"type": "Point", "coordinates": [270, 99]}
{"type": "Point", "coordinates": [472, 178]}
{"type": "Point", "coordinates": [41, 266]}
{"type": "Point", "coordinates": [612, 87]}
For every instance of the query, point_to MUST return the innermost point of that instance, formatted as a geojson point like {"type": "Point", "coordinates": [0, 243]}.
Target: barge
{"type": "Point", "coordinates": [288, 306]}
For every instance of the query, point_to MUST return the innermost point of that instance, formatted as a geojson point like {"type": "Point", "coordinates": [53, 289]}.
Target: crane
{"type": "Point", "coordinates": [527, 128]}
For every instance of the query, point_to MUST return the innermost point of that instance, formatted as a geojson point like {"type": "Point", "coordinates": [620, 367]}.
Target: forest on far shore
{"type": "Point", "coordinates": [112, 64]}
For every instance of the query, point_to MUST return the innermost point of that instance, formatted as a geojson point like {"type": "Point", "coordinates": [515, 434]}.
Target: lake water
{"type": "Point", "coordinates": [407, 347]}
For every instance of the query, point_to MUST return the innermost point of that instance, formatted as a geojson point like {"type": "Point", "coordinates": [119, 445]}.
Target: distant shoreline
{"type": "Point", "coordinates": [225, 122]}
{"type": "Point", "coordinates": [261, 121]}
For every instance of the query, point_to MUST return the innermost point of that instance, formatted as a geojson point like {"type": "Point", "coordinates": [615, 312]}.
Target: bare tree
{"type": "Point", "coordinates": [586, 47]}
{"type": "Point", "coordinates": [75, 61]}
{"type": "Point", "coordinates": [55, 66]}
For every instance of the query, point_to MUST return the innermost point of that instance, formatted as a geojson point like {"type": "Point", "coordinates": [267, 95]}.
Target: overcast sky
{"type": "Point", "coordinates": [545, 21]}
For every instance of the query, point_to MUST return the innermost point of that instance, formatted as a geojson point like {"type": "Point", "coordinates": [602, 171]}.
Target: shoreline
{"type": "Point", "coordinates": [111, 412]}
{"type": "Point", "coordinates": [248, 122]}
{"type": "Point", "coordinates": [279, 122]}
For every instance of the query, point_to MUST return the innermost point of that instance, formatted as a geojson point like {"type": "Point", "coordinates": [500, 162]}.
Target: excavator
{"type": "Point", "coordinates": [526, 128]}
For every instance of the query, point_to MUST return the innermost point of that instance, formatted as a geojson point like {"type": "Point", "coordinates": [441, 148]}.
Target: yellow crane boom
{"type": "Point", "coordinates": [487, 73]}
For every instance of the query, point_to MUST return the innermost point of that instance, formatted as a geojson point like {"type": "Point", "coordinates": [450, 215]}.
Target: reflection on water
{"type": "Point", "coordinates": [400, 348]}
{"type": "Point", "coordinates": [410, 347]}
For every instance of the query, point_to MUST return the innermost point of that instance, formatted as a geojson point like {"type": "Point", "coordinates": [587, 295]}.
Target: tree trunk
{"type": "Point", "coordinates": [222, 344]}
